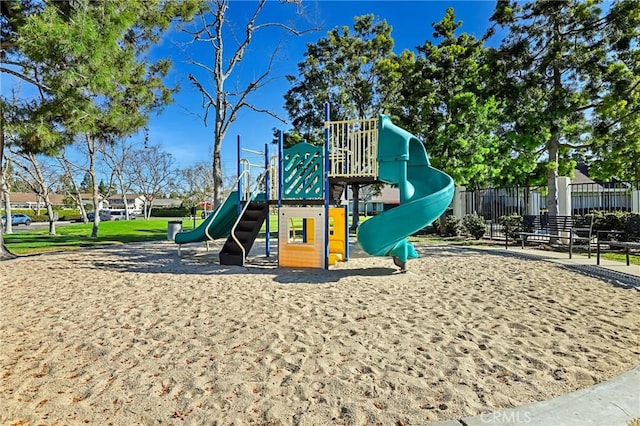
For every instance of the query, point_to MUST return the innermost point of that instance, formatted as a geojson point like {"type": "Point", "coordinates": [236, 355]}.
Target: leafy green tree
{"type": "Point", "coordinates": [554, 62]}
{"type": "Point", "coordinates": [102, 188]}
{"type": "Point", "coordinates": [351, 72]}
{"type": "Point", "coordinates": [347, 69]}
{"type": "Point", "coordinates": [88, 60]}
{"type": "Point", "coordinates": [445, 102]}
{"type": "Point", "coordinates": [87, 183]}
{"type": "Point", "coordinates": [617, 116]}
{"type": "Point", "coordinates": [289, 138]}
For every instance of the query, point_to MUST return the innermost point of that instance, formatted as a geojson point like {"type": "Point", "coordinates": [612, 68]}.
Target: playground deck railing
{"type": "Point", "coordinates": [353, 148]}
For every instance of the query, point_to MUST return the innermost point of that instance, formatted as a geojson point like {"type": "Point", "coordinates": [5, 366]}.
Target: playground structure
{"type": "Point", "coordinates": [304, 181]}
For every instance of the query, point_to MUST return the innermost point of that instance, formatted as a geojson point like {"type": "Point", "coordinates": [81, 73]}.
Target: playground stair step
{"type": "Point", "coordinates": [246, 232]}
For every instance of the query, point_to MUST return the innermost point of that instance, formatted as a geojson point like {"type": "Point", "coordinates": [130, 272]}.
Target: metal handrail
{"type": "Point", "coordinates": [259, 180]}
{"type": "Point", "coordinates": [206, 230]}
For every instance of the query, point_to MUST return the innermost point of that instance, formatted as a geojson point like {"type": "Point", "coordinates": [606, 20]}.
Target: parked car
{"type": "Point", "coordinates": [18, 219]}
{"type": "Point", "coordinates": [104, 215]}
{"type": "Point", "coordinates": [118, 215]}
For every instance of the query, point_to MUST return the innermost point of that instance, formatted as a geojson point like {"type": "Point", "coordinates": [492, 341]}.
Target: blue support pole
{"type": "Point", "coordinates": [280, 181]}
{"type": "Point", "coordinates": [266, 199]}
{"type": "Point", "coordinates": [326, 186]}
{"type": "Point", "coordinates": [280, 167]}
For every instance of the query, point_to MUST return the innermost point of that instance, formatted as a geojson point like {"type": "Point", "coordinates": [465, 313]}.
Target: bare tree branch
{"type": "Point", "coordinates": [201, 65]}
{"type": "Point", "coordinates": [249, 28]}
{"type": "Point", "coordinates": [271, 113]}
{"type": "Point", "coordinates": [25, 78]}
{"type": "Point", "coordinates": [205, 95]}
{"type": "Point", "coordinates": [218, 100]}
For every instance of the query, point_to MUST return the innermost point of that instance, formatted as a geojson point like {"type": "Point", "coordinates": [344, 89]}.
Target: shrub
{"type": "Point", "coordinates": [39, 217]}
{"type": "Point", "coordinates": [170, 212]}
{"type": "Point", "coordinates": [68, 214]}
{"type": "Point", "coordinates": [609, 221]}
{"type": "Point", "coordinates": [474, 226]}
{"type": "Point", "coordinates": [511, 225]}
{"type": "Point", "coordinates": [452, 227]}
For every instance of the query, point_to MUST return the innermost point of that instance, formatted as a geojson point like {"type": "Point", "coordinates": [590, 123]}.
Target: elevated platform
{"type": "Point", "coordinates": [353, 150]}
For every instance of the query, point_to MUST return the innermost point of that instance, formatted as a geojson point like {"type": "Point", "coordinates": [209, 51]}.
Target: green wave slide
{"type": "Point", "coordinates": [217, 225]}
{"type": "Point", "coordinates": [425, 194]}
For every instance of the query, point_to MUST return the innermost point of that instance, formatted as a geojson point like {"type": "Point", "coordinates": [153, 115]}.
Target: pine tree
{"type": "Point", "coordinates": [556, 59]}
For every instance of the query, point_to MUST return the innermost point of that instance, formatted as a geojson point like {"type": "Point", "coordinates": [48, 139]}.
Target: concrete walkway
{"type": "Point", "coordinates": [609, 270]}
{"type": "Point", "coordinates": [612, 403]}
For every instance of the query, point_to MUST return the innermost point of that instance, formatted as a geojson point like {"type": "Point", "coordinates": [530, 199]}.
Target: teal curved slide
{"type": "Point", "coordinates": [217, 225]}
{"type": "Point", "coordinates": [425, 194]}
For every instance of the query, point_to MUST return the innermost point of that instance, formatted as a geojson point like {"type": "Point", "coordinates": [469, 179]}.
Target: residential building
{"type": "Point", "coordinates": [30, 200]}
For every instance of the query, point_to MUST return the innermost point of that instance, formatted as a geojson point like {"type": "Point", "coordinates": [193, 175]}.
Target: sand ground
{"type": "Point", "coordinates": [139, 335]}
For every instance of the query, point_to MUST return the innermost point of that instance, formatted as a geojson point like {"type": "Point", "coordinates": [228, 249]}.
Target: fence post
{"type": "Point", "coordinates": [635, 200]}
{"type": "Point", "coordinates": [534, 202]}
{"type": "Point", "coordinates": [458, 202]}
{"type": "Point", "coordinates": [564, 196]}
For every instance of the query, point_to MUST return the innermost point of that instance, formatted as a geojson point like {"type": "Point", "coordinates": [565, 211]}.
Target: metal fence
{"type": "Point", "coordinates": [608, 197]}
{"type": "Point", "coordinates": [493, 203]}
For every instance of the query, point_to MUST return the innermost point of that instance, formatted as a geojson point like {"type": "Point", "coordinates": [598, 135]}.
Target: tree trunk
{"type": "Point", "coordinates": [4, 251]}
{"type": "Point", "coordinates": [552, 176]}
{"type": "Point", "coordinates": [554, 149]}
{"type": "Point", "coordinates": [52, 218]}
{"type": "Point", "coordinates": [217, 172]}
{"type": "Point", "coordinates": [91, 149]}
{"type": "Point", "coordinates": [6, 196]}
{"type": "Point", "coordinates": [8, 227]}
{"type": "Point", "coordinates": [148, 203]}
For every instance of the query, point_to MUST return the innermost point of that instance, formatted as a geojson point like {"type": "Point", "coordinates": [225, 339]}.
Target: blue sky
{"type": "Point", "coordinates": [180, 130]}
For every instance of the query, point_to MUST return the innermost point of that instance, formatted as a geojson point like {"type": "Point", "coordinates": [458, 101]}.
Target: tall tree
{"type": "Point", "coordinates": [197, 185]}
{"type": "Point", "coordinates": [350, 71]}
{"type": "Point", "coordinates": [226, 98]}
{"type": "Point", "coordinates": [116, 157]}
{"type": "Point", "coordinates": [73, 191]}
{"type": "Point", "coordinates": [445, 102]}
{"type": "Point", "coordinates": [87, 183]}
{"type": "Point", "coordinates": [88, 59]}
{"type": "Point", "coordinates": [347, 69]}
{"type": "Point", "coordinates": [39, 174]}
{"type": "Point", "coordinates": [617, 116]}
{"type": "Point", "coordinates": [556, 55]}
{"type": "Point", "coordinates": [152, 173]}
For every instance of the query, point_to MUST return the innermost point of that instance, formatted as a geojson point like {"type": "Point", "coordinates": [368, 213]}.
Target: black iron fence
{"type": "Point", "coordinates": [608, 197]}
{"type": "Point", "coordinates": [493, 203]}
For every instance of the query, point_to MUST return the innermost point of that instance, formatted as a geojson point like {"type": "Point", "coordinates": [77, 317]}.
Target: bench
{"type": "Point", "coordinates": [629, 239]}
{"type": "Point", "coordinates": [578, 230]}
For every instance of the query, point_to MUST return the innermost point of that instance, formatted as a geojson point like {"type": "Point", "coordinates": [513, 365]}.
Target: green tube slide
{"type": "Point", "coordinates": [217, 225]}
{"type": "Point", "coordinates": [425, 194]}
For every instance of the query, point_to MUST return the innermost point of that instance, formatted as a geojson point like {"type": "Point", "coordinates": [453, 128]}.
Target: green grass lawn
{"type": "Point", "coordinates": [77, 236]}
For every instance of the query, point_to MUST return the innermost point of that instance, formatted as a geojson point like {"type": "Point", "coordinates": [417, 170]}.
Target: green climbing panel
{"type": "Point", "coordinates": [302, 172]}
